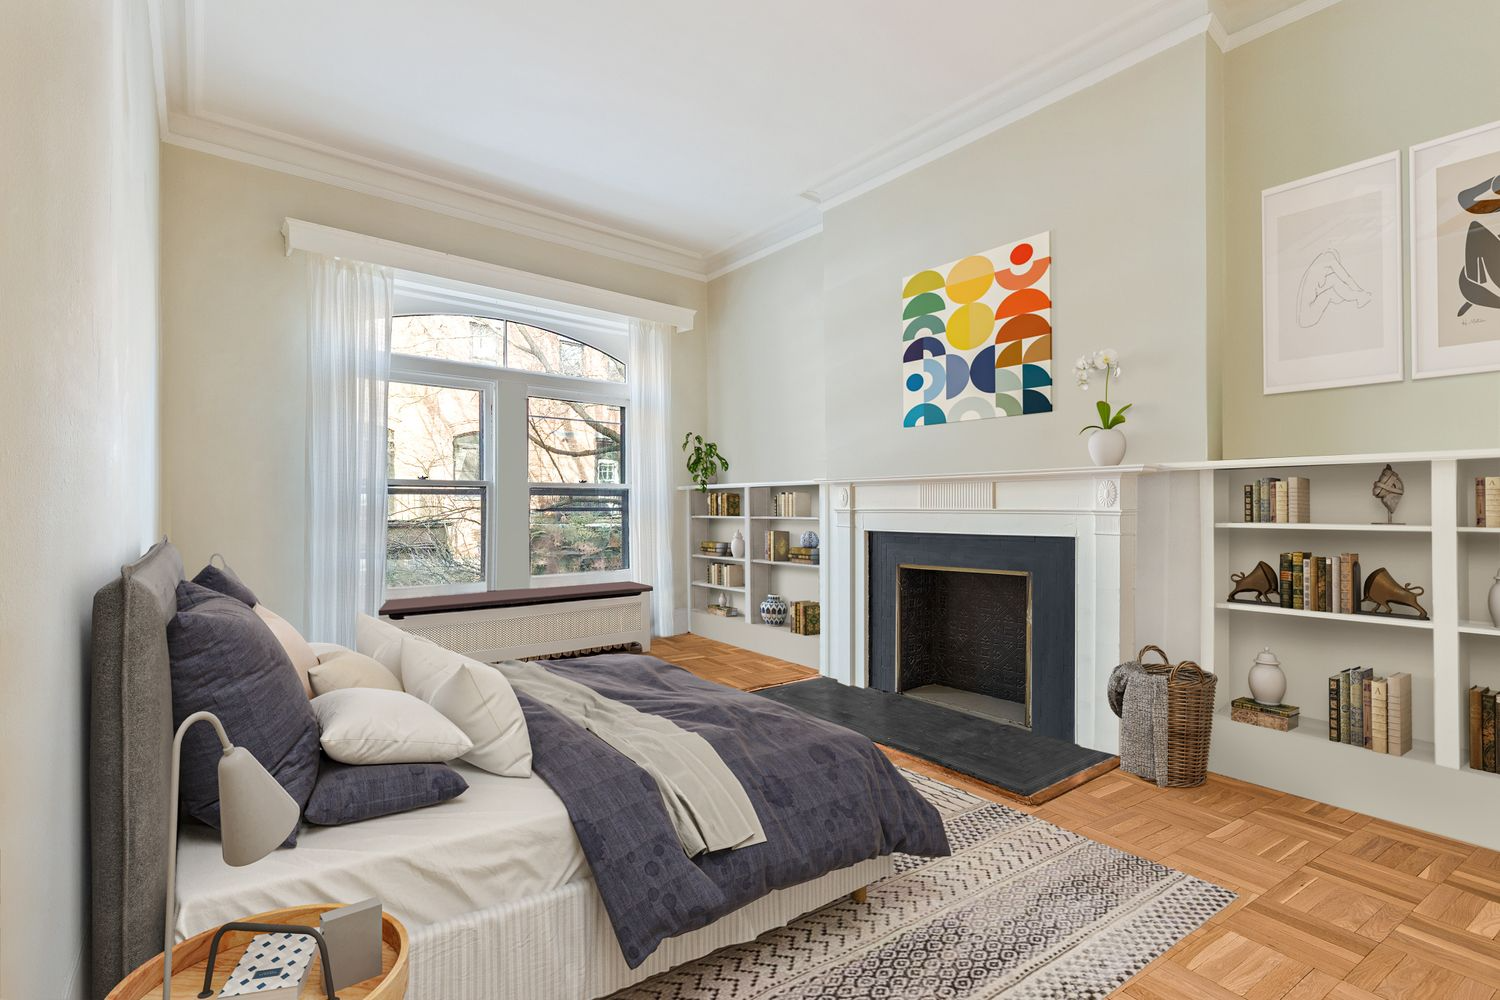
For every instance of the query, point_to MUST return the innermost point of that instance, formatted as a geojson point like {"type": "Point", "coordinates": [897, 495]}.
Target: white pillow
{"type": "Point", "coordinates": [348, 669]}
{"type": "Point", "coordinates": [380, 640]}
{"type": "Point", "coordinates": [297, 650]}
{"type": "Point", "coordinates": [323, 650]}
{"type": "Point", "coordinates": [374, 726]}
{"type": "Point", "coordinates": [477, 698]}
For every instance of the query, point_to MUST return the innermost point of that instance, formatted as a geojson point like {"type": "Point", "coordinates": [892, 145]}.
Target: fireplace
{"type": "Point", "coordinates": [979, 623]}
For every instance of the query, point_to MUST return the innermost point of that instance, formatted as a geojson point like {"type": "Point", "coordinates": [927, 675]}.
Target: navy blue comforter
{"type": "Point", "coordinates": [827, 797]}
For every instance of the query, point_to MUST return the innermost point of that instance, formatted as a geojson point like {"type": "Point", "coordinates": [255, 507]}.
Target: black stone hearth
{"type": "Point", "coordinates": [956, 616]}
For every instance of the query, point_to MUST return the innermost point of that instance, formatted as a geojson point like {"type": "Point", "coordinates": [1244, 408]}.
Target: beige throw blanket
{"type": "Point", "coordinates": [706, 802]}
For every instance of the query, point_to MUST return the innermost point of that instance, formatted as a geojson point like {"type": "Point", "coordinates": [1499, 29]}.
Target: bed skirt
{"type": "Point", "coordinates": [560, 946]}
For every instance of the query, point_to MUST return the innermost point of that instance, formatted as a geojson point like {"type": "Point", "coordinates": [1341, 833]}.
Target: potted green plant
{"type": "Point", "coordinates": [704, 461]}
{"type": "Point", "coordinates": [1107, 443]}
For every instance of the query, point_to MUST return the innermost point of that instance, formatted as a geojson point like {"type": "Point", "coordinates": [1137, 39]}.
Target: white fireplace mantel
{"type": "Point", "coordinates": [1094, 506]}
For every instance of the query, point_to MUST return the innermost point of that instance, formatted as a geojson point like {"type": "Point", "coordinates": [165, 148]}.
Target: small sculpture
{"type": "Point", "coordinates": [1262, 581]}
{"type": "Point", "coordinates": [1388, 489]}
{"type": "Point", "coordinates": [1382, 590]}
{"type": "Point", "coordinates": [1267, 681]}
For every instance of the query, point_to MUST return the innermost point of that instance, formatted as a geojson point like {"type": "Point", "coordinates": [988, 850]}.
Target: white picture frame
{"type": "Point", "coordinates": [1331, 293]}
{"type": "Point", "coordinates": [1451, 332]}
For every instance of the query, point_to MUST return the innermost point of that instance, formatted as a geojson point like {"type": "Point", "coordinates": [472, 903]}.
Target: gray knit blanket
{"type": "Point", "coordinates": [1139, 698]}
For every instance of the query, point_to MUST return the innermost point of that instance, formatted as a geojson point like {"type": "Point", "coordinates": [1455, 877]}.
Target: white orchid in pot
{"type": "Point", "coordinates": [1107, 443]}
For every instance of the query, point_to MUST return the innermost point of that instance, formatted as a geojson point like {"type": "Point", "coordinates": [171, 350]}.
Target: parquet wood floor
{"type": "Point", "coordinates": [1333, 905]}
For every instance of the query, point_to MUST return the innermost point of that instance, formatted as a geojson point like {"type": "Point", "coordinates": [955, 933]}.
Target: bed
{"type": "Point", "coordinates": [500, 895]}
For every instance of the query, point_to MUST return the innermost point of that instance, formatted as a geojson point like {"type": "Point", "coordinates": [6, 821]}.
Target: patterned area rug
{"type": "Point", "coordinates": [1022, 910]}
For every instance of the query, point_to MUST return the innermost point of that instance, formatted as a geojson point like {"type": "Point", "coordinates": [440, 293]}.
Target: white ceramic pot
{"type": "Point", "coordinates": [1495, 601]}
{"type": "Point", "coordinates": [737, 545]}
{"type": "Point", "coordinates": [1267, 682]}
{"type": "Point", "coordinates": [1107, 447]}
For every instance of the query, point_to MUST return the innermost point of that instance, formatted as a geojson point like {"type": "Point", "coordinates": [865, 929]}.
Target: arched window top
{"type": "Point", "coordinates": [500, 343]}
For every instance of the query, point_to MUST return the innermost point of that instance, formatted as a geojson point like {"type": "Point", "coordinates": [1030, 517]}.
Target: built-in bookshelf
{"type": "Point", "coordinates": [1437, 546]}
{"type": "Point", "coordinates": [799, 509]}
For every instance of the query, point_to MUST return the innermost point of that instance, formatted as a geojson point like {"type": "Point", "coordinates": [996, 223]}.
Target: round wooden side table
{"type": "Point", "coordinates": [189, 956]}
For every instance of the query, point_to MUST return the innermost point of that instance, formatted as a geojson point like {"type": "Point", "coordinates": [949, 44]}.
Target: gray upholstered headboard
{"type": "Point", "coordinates": [129, 762]}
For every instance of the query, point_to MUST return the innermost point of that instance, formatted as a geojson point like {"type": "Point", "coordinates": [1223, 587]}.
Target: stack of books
{"type": "Point", "coordinates": [724, 504]}
{"type": "Point", "coordinates": [778, 546]}
{"type": "Point", "coordinates": [802, 554]}
{"type": "Point", "coordinates": [1482, 728]}
{"type": "Point", "coordinates": [1278, 501]}
{"type": "Point", "coordinates": [1281, 718]}
{"type": "Point", "coordinates": [1487, 501]}
{"type": "Point", "coordinates": [726, 574]}
{"type": "Point", "coordinates": [723, 610]}
{"type": "Point", "coordinates": [1369, 711]}
{"type": "Point", "coordinates": [805, 618]}
{"type": "Point", "coordinates": [711, 548]}
{"type": "Point", "coordinates": [788, 504]}
{"type": "Point", "coordinates": [1321, 583]}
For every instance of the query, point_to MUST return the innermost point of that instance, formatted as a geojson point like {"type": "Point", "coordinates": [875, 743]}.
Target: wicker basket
{"type": "Point", "coordinates": [1190, 720]}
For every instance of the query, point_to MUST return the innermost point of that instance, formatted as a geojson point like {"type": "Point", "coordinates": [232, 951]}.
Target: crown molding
{"type": "Point", "coordinates": [1275, 22]}
{"type": "Point", "coordinates": [1108, 49]}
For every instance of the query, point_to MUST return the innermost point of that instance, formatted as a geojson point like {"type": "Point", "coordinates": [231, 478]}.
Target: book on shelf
{"type": "Point", "coordinates": [1281, 491]}
{"type": "Point", "coordinates": [788, 503]}
{"type": "Point", "coordinates": [1380, 718]}
{"type": "Point", "coordinates": [1298, 591]}
{"type": "Point", "coordinates": [1249, 497]}
{"type": "Point", "coordinates": [1298, 500]}
{"type": "Point", "coordinates": [1477, 696]}
{"type": "Point", "coordinates": [726, 574]}
{"type": "Point", "coordinates": [1487, 733]}
{"type": "Point", "coordinates": [1344, 707]}
{"type": "Point", "coordinates": [1286, 579]}
{"type": "Point", "coordinates": [806, 618]}
{"type": "Point", "coordinates": [1398, 714]}
{"type": "Point", "coordinates": [1487, 501]}
{"type": "Point", "coordinates": [723, 610]}
{"type": "Point", "coordinates": [1367, 715]}
{"type": "Point", "coordinates": [778, 544]}
{"type": "Point", "coordinates": [1333, 709]}
{"type": "Point", "coordinates": [1282, 718]}
{"type": "Point", "coordinates": [714, 548]}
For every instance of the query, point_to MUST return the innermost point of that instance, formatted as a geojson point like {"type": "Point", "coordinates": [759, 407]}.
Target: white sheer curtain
{"type": "Point", "coordinates": [348, 364]}
{"type": "Point", "coordinates": [649, 466]}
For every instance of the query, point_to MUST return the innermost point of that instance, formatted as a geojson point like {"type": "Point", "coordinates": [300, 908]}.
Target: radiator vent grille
{"type": "Point", "coordinates": [478, 634]}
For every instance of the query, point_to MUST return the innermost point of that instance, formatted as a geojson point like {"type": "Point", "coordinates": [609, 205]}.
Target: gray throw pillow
{"type": "Point", "coordinates": [223, 580]}
{"type": "Point", "coordinates": [348, 793]}
{"type": "Point", "coordinates": [225, 660]}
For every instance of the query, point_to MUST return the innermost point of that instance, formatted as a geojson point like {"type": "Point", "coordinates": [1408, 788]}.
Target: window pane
{"type": "Point", "coordinates": [571, 442]}
{"type": "Point", "coordinates": [434, 432]}
{"type": "Point", "coordinates": [434, 537]}
{"type": "Point", "coordinates": [532, 349]}
{"type": "Point", "coordinates": [577, 531]}
{"type": "Point", "coordinates": [451, 338]}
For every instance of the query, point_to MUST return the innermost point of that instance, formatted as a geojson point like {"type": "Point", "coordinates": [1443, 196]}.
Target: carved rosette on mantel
{"type": "Point", "coordinates": [1095, 507]}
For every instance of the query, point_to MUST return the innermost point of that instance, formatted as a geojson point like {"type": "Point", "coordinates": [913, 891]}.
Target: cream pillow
{"type": "Point", "coordinates": [475, 697]}
{"type": "Point", "coordinates": [297, 649]}
{"type": "Point", "coordinates": [381, 641]}
{"type": "Point", "coordinates": [323, 650]}
{"type": "Point", "coordinates": [374, 726]}
{"type": "Point", "coordinates": [348, 669]}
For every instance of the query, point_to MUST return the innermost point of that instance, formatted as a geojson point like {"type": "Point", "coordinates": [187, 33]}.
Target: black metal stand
{"type": "Point", "coordinates": [240, 925]}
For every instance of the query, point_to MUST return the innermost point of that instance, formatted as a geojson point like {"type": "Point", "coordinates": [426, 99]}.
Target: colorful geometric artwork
{"type": "Point", "coordinates": [976, 336]}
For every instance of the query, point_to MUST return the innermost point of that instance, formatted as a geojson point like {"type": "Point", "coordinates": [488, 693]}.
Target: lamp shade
{"type": "Point", "coordinates": [256, 815]}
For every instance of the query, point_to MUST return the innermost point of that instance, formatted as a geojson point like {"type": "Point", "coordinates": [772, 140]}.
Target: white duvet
{"type": "Point", "coordinates": [503, 840]}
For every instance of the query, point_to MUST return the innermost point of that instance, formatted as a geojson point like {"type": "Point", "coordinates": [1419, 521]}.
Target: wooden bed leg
{"type": "Point", "coordinates": [860, 895]}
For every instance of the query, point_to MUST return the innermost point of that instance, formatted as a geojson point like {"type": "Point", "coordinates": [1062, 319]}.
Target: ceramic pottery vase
{"type": "Point", "coordinates": [809, 539]}
{"type": "Point", "coordinates": [1495, 601]}
{"type": "Point", "coordinates": [1107, 447]}
{"type": "Point", "coordinates": [1267, 682]}
{"type": "Point", "coordinates": [737, 545]}
{"type": "Point", "coordinates": [773, 610]}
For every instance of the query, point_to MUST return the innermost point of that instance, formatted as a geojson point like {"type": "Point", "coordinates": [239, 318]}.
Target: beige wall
{"type": "Point", "coordinates": [1116, 173]}
{"type": "Point", "coordinates": [234, 313]}
{"type": "Point", "coordinates": [78, 401]}
{"type": "Point", "coordinates": [1357, 80]}
{"type": "Point", "coordinates": [766, 380]}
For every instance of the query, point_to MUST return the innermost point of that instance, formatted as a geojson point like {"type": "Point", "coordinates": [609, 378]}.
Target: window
{"type": "Point", "coordinates": [506, 453]}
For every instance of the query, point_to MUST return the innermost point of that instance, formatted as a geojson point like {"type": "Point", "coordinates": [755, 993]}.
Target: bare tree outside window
{"type": "Point", "coordinates": [437, 522]}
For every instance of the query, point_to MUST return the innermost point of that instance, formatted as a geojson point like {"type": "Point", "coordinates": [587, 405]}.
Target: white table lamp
{"type": "Point", "coordinates": [255, 816]}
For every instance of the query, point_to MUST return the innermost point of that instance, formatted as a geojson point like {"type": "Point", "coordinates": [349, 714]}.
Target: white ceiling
{"type": "Point", "coordinates": [677, 130]}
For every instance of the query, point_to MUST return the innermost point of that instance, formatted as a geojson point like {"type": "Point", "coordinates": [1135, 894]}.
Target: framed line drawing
{"type": "Point", "coordinates": [1455, 254]}
{"type": "Point", "coordinates": [1331, 278]}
